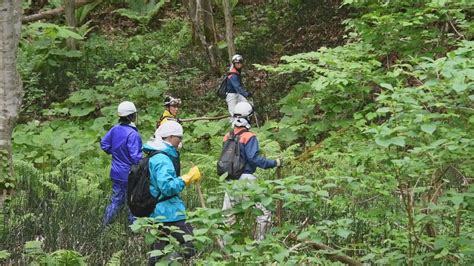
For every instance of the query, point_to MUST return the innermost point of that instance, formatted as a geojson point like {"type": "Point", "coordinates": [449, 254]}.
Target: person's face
{"type": "Point", "coordinates": [175, 140]}
{"type": "Point", "coordinates": [239, 65]}
{"type": "Point", "coordinates": [174, 110]}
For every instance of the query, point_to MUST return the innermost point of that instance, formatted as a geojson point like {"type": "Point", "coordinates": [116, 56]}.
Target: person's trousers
{"type": "Point", "coordinates": [118, 199]}
{"type": "Point", "coordinates": [232, 100]}
{"type": "Point", "coordinates": [187, 246]}
{"type": "Point", "coordinates": [263, 221]}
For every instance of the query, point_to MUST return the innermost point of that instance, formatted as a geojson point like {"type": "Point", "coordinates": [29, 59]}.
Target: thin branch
{"type": "Point", "coordinates": [455, 30]}
{"type": "Point", "coordinates": [203, 118]}
{"type": "Point", "coordinates": [53, 12]}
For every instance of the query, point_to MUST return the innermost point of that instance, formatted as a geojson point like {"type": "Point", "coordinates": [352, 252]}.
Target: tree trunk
{"type": "Point", "coordinates": [70, 15]}
{"type": "Point", "coordinates": [191, 8]}
{"type": "Point", "coordinates": [210, 33]}
{"type": "Point", "coordinates": [11, 91]}
{"type": "Point", "coordinates": [195, 12]}
{"type": "Point", "coordinates": [229, 29]}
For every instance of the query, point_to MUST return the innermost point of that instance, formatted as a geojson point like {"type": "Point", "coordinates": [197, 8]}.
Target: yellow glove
{"type": "Point", "coordinates": [192, 176]}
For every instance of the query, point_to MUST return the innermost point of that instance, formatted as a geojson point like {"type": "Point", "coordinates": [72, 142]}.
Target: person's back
{"type": "Point", "coordinates": [124, 143]}
{"type": "Point", "coordinates": [250, 151]}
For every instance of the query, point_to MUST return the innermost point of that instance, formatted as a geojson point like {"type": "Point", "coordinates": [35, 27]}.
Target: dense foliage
{"type": "Point", "coordinates": [375, 133]}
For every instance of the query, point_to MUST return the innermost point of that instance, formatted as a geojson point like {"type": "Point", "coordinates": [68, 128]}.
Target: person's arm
{"type": "Point", "coordinates": [134, 145]}
{"type": "Point", "coordinates": [253, 156]}
{"type": "Point", "coordinates": [237, 85]}
{"type": "Point", "coordinates": [168, 183]}
{"type": "Point", "coordinates": [106, 143]}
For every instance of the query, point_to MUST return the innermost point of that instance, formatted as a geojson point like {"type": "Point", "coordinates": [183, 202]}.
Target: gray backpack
{"type": "Point", "coordinates": [230, 161]}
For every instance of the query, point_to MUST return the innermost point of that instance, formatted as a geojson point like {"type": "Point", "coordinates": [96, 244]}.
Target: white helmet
{"type": "Point", "coordinates": [237, 59]}
{"type": "Point", "coordinates": [126, 108]}
{"type": "Point", "coordinates": [169, 128]}
{"type": "Point", "coordinates": [169, 100]}
{"type": "Point", "coordinates": [243, 109]}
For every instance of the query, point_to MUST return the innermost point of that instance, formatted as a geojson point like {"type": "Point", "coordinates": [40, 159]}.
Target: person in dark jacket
{"type": "Point", "coordinates": [249, 150]}
{"type": "Point", "coordinates": [166, 183]}
{"type": "Point", "coordinates": [124, 143]}
{"type": "Point", "coordinates": [236, 91]}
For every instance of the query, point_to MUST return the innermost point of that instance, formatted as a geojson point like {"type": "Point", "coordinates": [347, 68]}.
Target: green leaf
{"type": "Point", "coordinates": [387, 86]}
{"type": "Point", "coordinates": [344, 233]}
{"type": "Point", "coordinates": [399, 141]}
{"type": "Point", "coordinates": [303, 235]}
{"type": "Point", "coordinates": [323, 193]}
{"type": "Point", "coordinates": [429, 128]}
{"type": "Point", "coordinates": [281, 256]}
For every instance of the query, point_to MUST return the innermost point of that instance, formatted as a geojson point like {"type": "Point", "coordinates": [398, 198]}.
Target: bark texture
{"type": "Point", "coordinates": [229, 29]}
{"type": "Point", "coordinates": [11, 91]}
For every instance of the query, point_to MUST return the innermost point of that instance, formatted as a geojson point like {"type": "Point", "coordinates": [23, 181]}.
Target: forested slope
{"type": "Point", "coordinates": [369, 104]}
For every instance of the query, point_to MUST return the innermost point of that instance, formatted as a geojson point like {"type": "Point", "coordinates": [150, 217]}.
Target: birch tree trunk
{"type": "Point", "coordinates": [229, 29]}
{"type": "Point", "coordinates": [11, 91]}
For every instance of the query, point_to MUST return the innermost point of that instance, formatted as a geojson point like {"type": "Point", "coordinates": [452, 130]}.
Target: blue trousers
{"type": "Point", "coordinates": [119, 198]}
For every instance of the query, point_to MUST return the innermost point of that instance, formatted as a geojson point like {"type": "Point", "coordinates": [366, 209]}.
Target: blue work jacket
{"type": "Point", "coordinates": [124, 143]}
{"type": "Point", "coordinates": [234, 83]}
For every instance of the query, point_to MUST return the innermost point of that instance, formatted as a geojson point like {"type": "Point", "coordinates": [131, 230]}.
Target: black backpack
{"type": "Point", "coordinates": [230, 161]}
{"type": "Point", "coordinates": [222, 89]}
{"type": "Point", "coordinates": [139, 199]}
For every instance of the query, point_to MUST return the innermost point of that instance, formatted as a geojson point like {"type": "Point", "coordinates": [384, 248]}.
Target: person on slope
{"type": "Point", "coordinates": [236, 91]}
{"type": "Point", "coordinates": [166, 183]}
{"type": "Point", "coordinates": [171, 110]}
{"type": "Point", "coordinates": [249, 150]}
{"type": "Point", "coordinates": [124, 143]}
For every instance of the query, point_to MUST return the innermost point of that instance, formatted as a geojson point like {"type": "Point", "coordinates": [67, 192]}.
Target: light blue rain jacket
{"type": "Point", "coordinates": [165, 182]}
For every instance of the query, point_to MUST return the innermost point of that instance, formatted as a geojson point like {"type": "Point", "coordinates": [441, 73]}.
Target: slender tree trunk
{"type": "Point", "coordinates": [229, 29]}
{"type": "Point", "coordinates": [70, 15]}
{"type": "Point", "coordinates": [210, 33]}
{"type": "Point", "coordinates": [209, 25]}
{"type": "Point", "coordinates": [191, 8]}
{"type": "Point", "coordinates": [195, 12]}
{"type": "Point", "coordinates": [11, 91]}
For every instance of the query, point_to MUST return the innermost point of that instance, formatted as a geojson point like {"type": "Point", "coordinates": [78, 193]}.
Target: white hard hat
{"type": "Point", "coordinates": [169, 128]}
{"type": "Point", "coordinates": [237, 58]}
{"type": "Point", "coordinates": [126, 108]}
{"type": "Point", "coordinates": [243, 109]}
{"type": "Point", "coordinates": [169, 100]}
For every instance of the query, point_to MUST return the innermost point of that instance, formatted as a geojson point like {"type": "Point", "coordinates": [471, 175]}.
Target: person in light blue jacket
{"type": "Point", "coordinates": [124, 143]}
{"type": "Point", "coordinates": [166, 183]}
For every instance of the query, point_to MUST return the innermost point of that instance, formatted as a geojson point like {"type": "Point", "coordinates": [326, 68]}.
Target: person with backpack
{"type": "Point", "coordinates": [171, 110]}
{"type": "Point", "coordinates": [124, 143]}
{"type": "Point", "coordinates": [166, 184]}
{"type": "Point", "coordinates": [236, 91]}
{"type": "Point", "coordinates": [251, 159]}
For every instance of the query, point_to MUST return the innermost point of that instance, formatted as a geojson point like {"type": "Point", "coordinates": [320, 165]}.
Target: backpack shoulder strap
{"type": "Point", "coordinates": [153, 153]}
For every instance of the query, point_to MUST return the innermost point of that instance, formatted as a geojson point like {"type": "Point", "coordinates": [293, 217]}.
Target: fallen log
{"type": "Point", "coordinates": [53, 12]}
{"type": "Point", "coordinates": [203, 118]}
{"type": "Point", "coordinates": [339, 257]}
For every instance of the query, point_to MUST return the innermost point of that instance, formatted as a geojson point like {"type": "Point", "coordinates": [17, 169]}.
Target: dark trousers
{"type": "Point", "coordinates": [188, 248]}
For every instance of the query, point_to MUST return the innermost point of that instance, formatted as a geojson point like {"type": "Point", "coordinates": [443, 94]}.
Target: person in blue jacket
{"type": "Point", "coordinates": [249, 150]}
{"type": "Point", "coordinates": [124, 143]}
{"type": "Point", "coordinates": [236, 91]}
{"type": "Point", "coordinates": [166, 183]}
